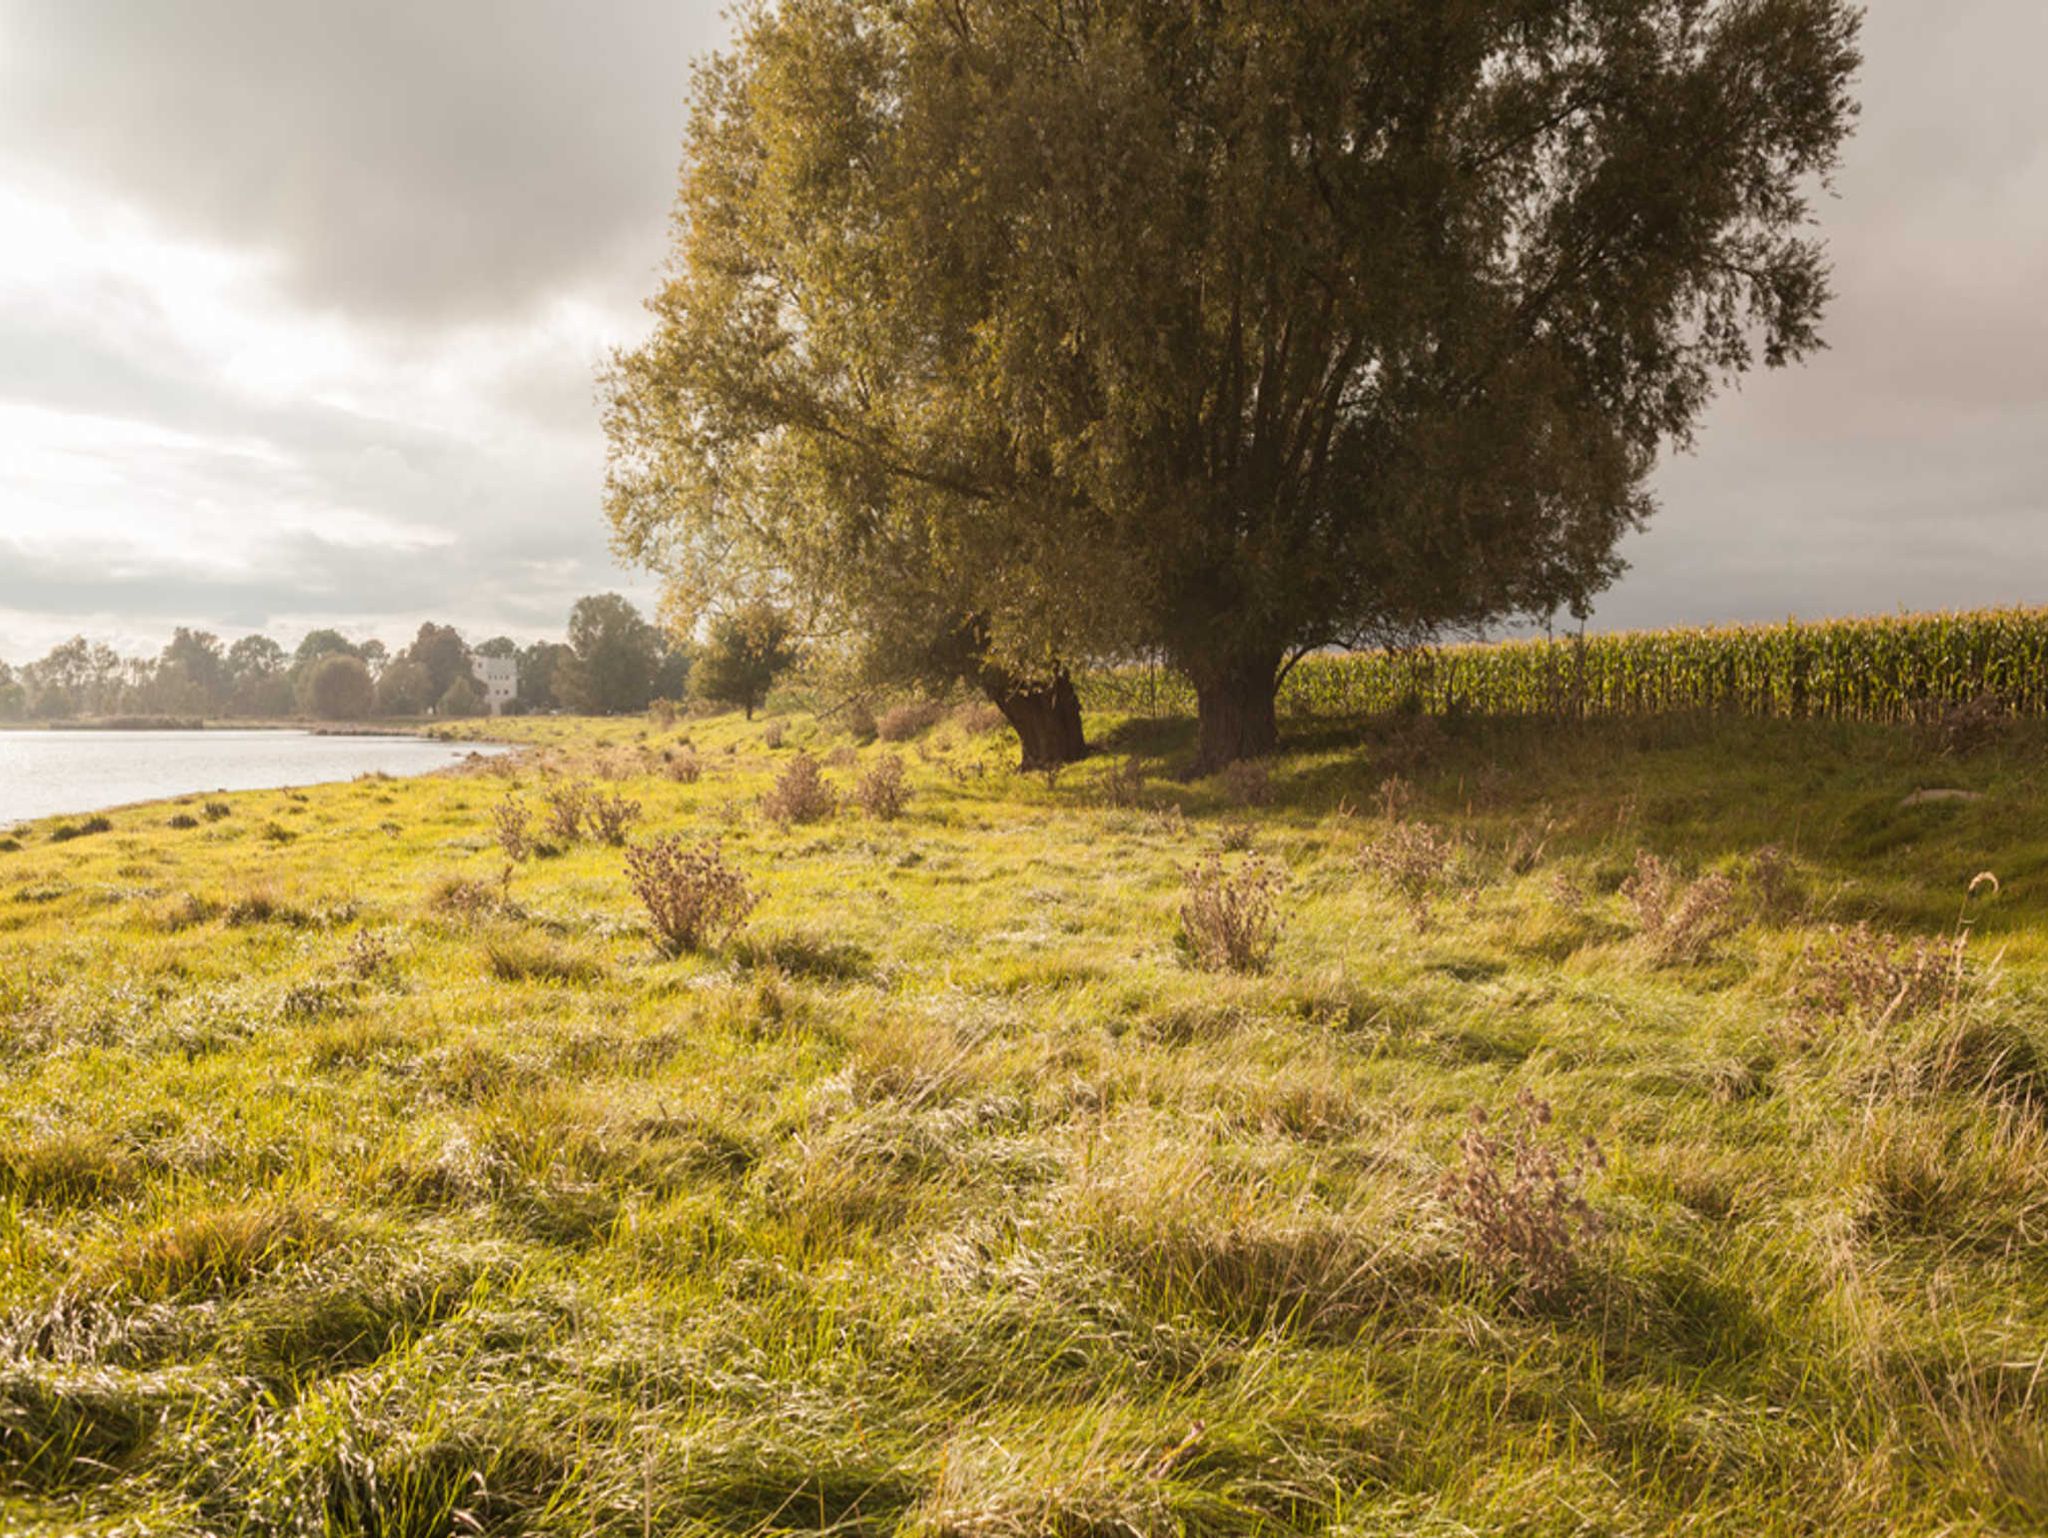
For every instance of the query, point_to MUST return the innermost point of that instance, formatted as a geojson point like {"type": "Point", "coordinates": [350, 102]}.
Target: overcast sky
{"type": "Point", "coordinates": [300, 302]}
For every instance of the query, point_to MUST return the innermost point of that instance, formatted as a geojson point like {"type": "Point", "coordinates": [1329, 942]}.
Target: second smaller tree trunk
{"type": "Point", "coordinates": [1046, 718]}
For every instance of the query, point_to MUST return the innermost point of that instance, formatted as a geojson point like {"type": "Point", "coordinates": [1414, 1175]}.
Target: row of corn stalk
{"type": "Point", "coordinates": [1886, 669]}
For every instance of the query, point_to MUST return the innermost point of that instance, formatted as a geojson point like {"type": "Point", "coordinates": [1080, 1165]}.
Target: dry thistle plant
{"type": "Point", "coordinates": [1519, 1196]}
{"type": "Point", "coordinates": [883, 791]}
{"type": "Point", "coordinates": [1415, 860]}
{"type": "Point", "coordinates": [691, 893]}
{"type": "Point", "coordinates": [801, 794]}
{"type": "Point", "coordinates": [681, 765]}
{"type": "Point", "coordinates": [1679, 920]}
{"type": "Point", "coordinates": [1772, 882]}
{"type": "Point", "coordinates": [771, 735]}
{"type": "Point", "coordinates": [1874, 978]}
{"type": "Point", "coordinates": [511, 820]}
{"type": "Point", "coordinates": [568, 802]}
{"type": "Point", "coordinates": [1230, 921]}
{"type": "Point", "coordinates": [367, 955]}
{"type": "Point", "coordinates": [611, 817]}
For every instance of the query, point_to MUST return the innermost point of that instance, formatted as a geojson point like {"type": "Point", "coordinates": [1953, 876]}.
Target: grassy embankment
{"type": "Point", "coordinates": [343, 1187]}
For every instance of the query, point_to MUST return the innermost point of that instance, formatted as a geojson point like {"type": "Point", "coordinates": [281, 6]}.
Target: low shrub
{"type": "Point", "coordinates": [183, 822]}
{"type": "Point", "coordinates": [860, 721]}
{"type": "Point", "coordinates": [901, 723]}
{"type": "Point", "coordinates": [691, 893]}
{"type": "Point", "coordinates": [1958, 731]}
{"type": "Point", "coordinates": [64, 832]}
{"type": "Point", "coordinates": [1229, 920]}
{"type": "Point", "coordinates": [977, 718]}
{"type": "Point", "coordinates": [681, 765]}
{"type": "Point", "coordinates": [216, 810]}
{"type": "Point", "coordinates": [801, 794]}
{"type": "Point", "coordinates": [883, 791]}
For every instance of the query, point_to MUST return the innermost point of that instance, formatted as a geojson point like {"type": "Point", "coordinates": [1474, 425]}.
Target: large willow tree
{"type": "Point", "coordinates": [1225, 329]}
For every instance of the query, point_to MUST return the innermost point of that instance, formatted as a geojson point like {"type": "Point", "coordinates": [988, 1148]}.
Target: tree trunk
{"type": "Point", "coordinates": [1235, 699]}
{"type": "Point", "coordinates": [1046, 717]}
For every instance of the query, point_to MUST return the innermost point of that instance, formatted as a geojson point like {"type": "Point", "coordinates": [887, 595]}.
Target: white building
{"type": "Point", "coordinates": [499, 679]}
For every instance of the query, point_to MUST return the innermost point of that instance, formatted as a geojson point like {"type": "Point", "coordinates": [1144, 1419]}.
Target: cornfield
{"type": "Point", "coordinates": [1885, 669]}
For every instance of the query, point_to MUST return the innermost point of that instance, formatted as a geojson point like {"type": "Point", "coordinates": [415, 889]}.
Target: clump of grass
{"type": "Point", "coordinates": [263, 904]}
{"type": "Point", "coordinates": [219, 1249]}
{"type": "Point", "coordinates": [521, 958]}
{"type": "Point", "coordinates": [216, 810]}
{"type": "Point", "coordinates": [1519, 1196]}
{"type": "Point", "coordinates": [1678, 920]}
{"type": "Point", "coordinates": [1414, 859]}
{"type": "Point", "coordinates": [1122, 784]}
{"type": "Point", "coordinates": [182, 822]}
{"type": "Point", "coordinates": [1230, 919]}
{"type": "Point", "coordinates": [274, 832]}
{"type": "Point", "coordinates": [801, 794]}
{"type": "Point", "coordinates": [883, 791]}
{"type": "Point", "coordinates": [65, 832]}
{"type": "Point", "coordinates": [466, 898]}
{"type": "Point", "coordinates": [691, 893]}
{"type": "Point", "coordinates": [70, 1166]}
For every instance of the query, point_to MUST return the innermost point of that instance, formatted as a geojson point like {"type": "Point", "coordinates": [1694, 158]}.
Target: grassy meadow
{"type": "Point", "coordinates": [357, 1179]}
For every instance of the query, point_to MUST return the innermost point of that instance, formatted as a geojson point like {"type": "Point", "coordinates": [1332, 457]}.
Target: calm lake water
{"type": "Point", "coordinates": [44, 774]}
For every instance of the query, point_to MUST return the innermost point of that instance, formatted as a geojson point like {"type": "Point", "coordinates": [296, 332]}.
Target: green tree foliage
{"type": "Point", "coordinates": [322, 643]}
{"type": "Point", "coordinates": [742, 656]}
{"type": "Point", "coordinates": [441, 650]}
{"type": "Point", "coordinates": [405, 688]}
{"type": "Point", "coordinates": [258, 677]}
{"type": "Point", "coordinates": [1224, 332]}
{"type": "Point", "coordinates": [538, 666]}
{"type": "Point", "coordinates": [614, 654]}
{"type": "Point", "coordinates": [337, 687]}
{"type": "Point", "coordinates": [463, 697]}
{"type": "Point", "coordinates": [192, 673]}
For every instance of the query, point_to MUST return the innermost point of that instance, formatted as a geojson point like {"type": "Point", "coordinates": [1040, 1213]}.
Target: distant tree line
{"type": "Point", "coordinates": [611, 660]}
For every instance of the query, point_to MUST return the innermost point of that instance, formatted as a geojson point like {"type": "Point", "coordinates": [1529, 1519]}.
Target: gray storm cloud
{"type": "Point", "coordinates": [457, 206]}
